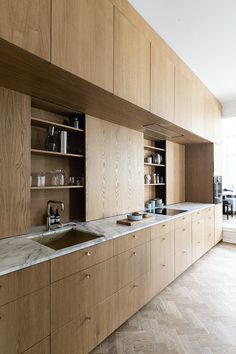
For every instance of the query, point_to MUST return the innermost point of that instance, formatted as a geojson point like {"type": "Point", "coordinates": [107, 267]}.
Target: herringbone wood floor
{"type": "Point", "coordinates": [196, 314]}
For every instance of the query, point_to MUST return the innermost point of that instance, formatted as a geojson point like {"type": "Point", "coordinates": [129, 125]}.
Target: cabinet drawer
{"type": "Point", "coordinates": [197, 215]}
{"type": "Point", "coordinates": [24, 322]}
{"type": "Point", "coordinates": [208, 212]}
{"type": "Point", "coordinates": [181, 221]}
{"type": "Point", "coordinates": [75, 295]}
{"type": "Point", "coordinates": [40, 348]}
{"type": "Point", "coordinates": [161, 229]}
{"type": "Point", "coordinates": [23, 282]}
{"type": "Point", "coordinates": [64, 266]}
{"type": "Point", "coordinates": [124, 243]}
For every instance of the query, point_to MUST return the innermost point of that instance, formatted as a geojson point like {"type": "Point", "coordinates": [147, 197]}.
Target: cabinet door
{"type": "Point", "coordinates": [183, 99]}
{"type": "Point", "coordinates": [15, 114]}
{"type": "Point", "coordinates": [131, 63]}
{"type": "Point", "coordinates": [162, 261]}
{"type": "Point", "coordinates": [82, 39]}
{"type": "Point", "coordinates": [162, 84]}
{"type": "Point", "coordinates": [183, 244]}
{"type": "Point", "coordinates": [197, 239]}
{"type": "Point", "coordinates": [218, 223]}
{"type": "Point", "coordinates": [198, 125]}
{"type": "Point", "coordinates": [26, 24]}
{"type": "Point", "coordinates": [209, 232]}
{"type": "Point", "coordinates": [24, 322]}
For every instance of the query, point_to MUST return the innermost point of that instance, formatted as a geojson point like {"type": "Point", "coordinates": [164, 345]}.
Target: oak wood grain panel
{"type": "Point", "coordinates": [183, 248]}
{"type": "Point", "coordinates": [26, 23]}
{"type": "Point", "coordinates": [14, 163]}
{"type": "Point", "coordinates": [82, 39]}
{"type": "Point", "coordinates": [124, 243]}
{"type": "Point", "coordinates": [40, 348]}
{"type": "Point", "coordinates": [181, 221]}
{"type": "Point", "coordinates": [131, 62]}
{"type": "Point", "coordinates": [198, 124]}
{"type": "Point", "coordinates": [114, 169]}
{"type": "Point", "coordinates": [161, 229]}
{"type": "Point", "coordinates": [183, 99]}
{"type": "Point", "coordinates": [199, 173]}
{"type": "Point", "coordinates": [162, 84]}
{"type": "Point", "coordinates": [175, 173]}
{"type": "Point", "coordinates": [64, 266]}
{"type": "Point", "coordinates": [23, 282]}
{"type": "Point", "coordinates": [24, 322]}
{"type": "Point", "coordinates": [75, 295]}
{"type": "Point", "coordinates": [218, 222]}
{"type": "Point", "coordinates": [198, 239]}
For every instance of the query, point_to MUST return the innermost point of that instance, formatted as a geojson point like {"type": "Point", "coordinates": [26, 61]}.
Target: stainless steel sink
{"type": "Point", "coordinates": [60, 239]}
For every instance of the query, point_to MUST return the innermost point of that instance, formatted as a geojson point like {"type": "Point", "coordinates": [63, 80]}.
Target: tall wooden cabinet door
{"type": "Point", "coordinates": [197, 239]}
{"type": "Point", "coordinates": [218, 223]}
{"type": "Point", "coordinates": [82, 39]}
{"type": "Point", "coordinates": [162, 84]}
{"type": "Point", "coordinates": [26, 24]}
{"type": "Point", "coordinates": [183, 99]}
{"type": "Point", "coordinates": [209, 232]}
{"type": "Point", "coordinates": [14, 163]}
{"type": "Point", "coordinates": [131, 63]}
{"type": "Point", "coordinates": [183, 249]}
{"type": "Point", "coordinates": [24, 322]}
{"type": "Point", "coordinates": [198, 107]}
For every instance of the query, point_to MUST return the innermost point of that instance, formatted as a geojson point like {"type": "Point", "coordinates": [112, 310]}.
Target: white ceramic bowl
{"type": "Point", "coordinates": [134, 217]}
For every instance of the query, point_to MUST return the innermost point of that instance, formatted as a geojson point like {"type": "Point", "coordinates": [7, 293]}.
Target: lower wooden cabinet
{"type": "Point", "coordinates": [209, 231]}
{"type": "Point", "coordinates": [183, 248]}
{"type": "Point", "coordinates": [218, 223]}
{"type": "Point", "coordinates": [25, 322]}
{"type": "Point", "coordinates": [162, 259]}
{"type": "Point", "coordinates": [198, 243]}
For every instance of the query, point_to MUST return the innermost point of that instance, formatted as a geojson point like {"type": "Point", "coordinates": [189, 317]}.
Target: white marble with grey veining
{"type": "Point", "coordinates": [22, 251]}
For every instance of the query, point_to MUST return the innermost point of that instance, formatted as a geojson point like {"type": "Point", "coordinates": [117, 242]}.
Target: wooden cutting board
{"type": "Point", "coordinates": [132, 223]}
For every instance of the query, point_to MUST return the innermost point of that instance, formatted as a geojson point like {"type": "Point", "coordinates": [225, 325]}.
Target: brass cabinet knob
{"type": "Point", "coordinates": [1, 316]}
{"type": "Point", "coordinates": [163, 238]}
{"type": "Point", "coordinates": [134, 236]}
{"type": "Point", "coordinates": [134, 253]}
{"type": "Point", "coordinates": [88, 318]}
{"type": "Point", "coordinates": [88, 253]}
{"type": "Point", "coordinates": [135, 286]}
{"type": "Point", "coordinates": [183, 230]}
{"type": "Point", "coordinates": [184, 252]}
{"type": "Point", "coordinates": [198, 242]}
{"type": "Point", "coordinates": [164, 225]}
{"type": "Point", "coordinates": [87, 276]}
{"type": "Point", "coordinates": [163, 265]}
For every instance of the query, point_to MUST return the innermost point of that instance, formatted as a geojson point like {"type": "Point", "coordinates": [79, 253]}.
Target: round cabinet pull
{"type": "Point", "coordinates": [1, 316]}
{"type": "Point", "coordinates": [134, 236]}
{"type": "Point", "coordinates": [87, 276]}
{"type": "Point", "coordinates": [134, 253]}
{"type": "Point", "coordinates": [198, 222]}
{"type": "Point", "coordinates": [88, 318]}
{"type": "Point", "coordinates": [1, 286]}
{"type": "Point", "coordinates": [184, 251]}
{"type": "Point", "coordinates": [198, 212]}
{"type": "Point", "coordinates": [183, 229]}
{"type": "Point", "coordinates": [198, 242]}
{"type": "Point", "coordinates": [88, 253]}
{"type": "Point", "coordinates": [163, 265]}
{"type": "Point", "coordinates": [135, 285]}
{"type": "Point", "coordinates": [164, 225]}
{"type": "Point", "coordinates": [183, 218]}
{"type": "Point", "coordinates": [163, 238]}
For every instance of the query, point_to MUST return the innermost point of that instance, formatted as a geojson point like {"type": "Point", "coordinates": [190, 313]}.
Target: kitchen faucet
{"type": "Point", "coordinates": [48, 223]}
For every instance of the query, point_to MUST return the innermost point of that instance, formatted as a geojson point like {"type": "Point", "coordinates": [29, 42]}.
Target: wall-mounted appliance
{"type": "Point", "coordinates": [217, 189]}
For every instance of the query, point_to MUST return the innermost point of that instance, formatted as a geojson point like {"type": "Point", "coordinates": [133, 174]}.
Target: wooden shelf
{"type": "Point", "coordinates": [45, 123]}
{"type": "Point", "coordinates": [52, 153]}
{"type": "Point", "coordinates": [154, 164]}
{"type": "Point", "coordinates": [157, 184]}
{"type": "Point", "coordinates": [56, 187]}
{"type": "Point", "coordinates": [152, 148]}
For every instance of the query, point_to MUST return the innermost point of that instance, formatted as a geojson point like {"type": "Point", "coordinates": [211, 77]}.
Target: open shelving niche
{"type": "Point", "coordinates": [44, 115]}
{"type": "Point", "coordinates": [152, 191]}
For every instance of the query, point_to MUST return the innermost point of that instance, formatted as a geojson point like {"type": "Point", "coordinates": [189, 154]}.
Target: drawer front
{"type": "Point", "coordinates": [182, 221]}
{"type": "Point", "coordinates": [71, 338]}
{"type": "Point", "coordinates": [208, 212]}
{"type": "Point", "coordinates": [23, 282]}
{"type": "Point", "coordinates": [124, 243]}
{"type": "Point", "coordinates": [25, 322]}
{"type": "Point", "coordinates": [198, 236]}
{"type": "Point", "coordinates": [40, 348]}
{"type": "Point", "coordinates": [73, 296]}
{"type": "Point", "coordinates": [161, 229]}
{"type": "Point", "coordinates": [104, 320]}
{"type": "Point", "coordinates": [64, 266]}
{"type": "Point", "coordinates": [183, 238]}
{"type": "Point", "coordinates": [183, 260]}
{"type": "Point", "coordinates": [197, 215]}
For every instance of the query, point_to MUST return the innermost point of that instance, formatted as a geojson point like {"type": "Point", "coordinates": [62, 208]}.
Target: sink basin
{"type": "Point", "coordinates": [64, 238]}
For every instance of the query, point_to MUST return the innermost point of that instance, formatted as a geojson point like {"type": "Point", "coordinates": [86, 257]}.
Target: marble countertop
{"type": "Point", "coordinates": [22, 251]}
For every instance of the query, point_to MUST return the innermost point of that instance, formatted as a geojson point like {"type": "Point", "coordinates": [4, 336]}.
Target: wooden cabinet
{"type": "Point", "coordinates": [42, 347]}
{"type": "Point", "coordinates": [124, 243]}
{"type": "Point", "coordinates": [162, 256]}
{"type": "Point", "coordinates": [198, 242]}
{"type": "Point", "coordinates": [183, 98]}
{"type": "Point", "coordinates": [82, 39]}
{"type": "Point", "coordinates": [198, 124]}
{"type": "Point", "coordinates": [183, 244]}
{"type": "Point", "coordinates": [209, 228]}
{"type": "Point", "coordinates": [131, 62]}
{"type": "Point", "coordinates": [26, 24]}
{"type": "Point", "coordinates": [24, 322]}
{"type": "Point", "coordinates": [162, 84]}
{"type": "Point", "coordinates": [15, 163]}
{"type": "Point", "coordinates": [218, 223]}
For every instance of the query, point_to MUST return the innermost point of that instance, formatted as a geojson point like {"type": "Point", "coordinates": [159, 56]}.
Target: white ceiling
{"type": "Point", "coordinates": [203, 34]}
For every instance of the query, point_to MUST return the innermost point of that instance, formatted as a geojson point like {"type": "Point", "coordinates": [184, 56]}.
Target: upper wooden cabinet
{"type": "Point", "coordinates": [162, 84]}
{"type": "Point", "coordinates": [197, 107]}
{"type": "Point", "coordinates": [183, 98]}
{"type": "Point", "coordinates": [131, 62]}
{"type": "Point", "coordinates": [82, 39]}
{"type": "Point", "coordinates": [26, 24]}
{"type": "Point", "coordinates": [14, 163]}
